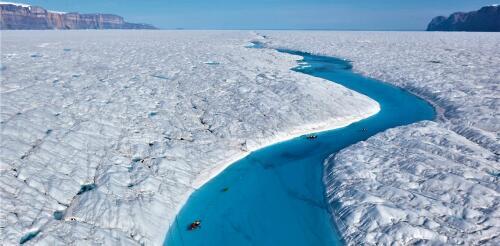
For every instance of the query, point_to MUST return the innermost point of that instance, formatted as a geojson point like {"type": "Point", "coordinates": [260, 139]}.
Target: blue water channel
{"type": "Point", "coordinates": [275, 195]}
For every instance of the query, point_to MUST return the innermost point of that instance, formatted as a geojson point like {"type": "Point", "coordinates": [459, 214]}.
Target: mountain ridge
{"type": "Point", "coordinates": [18, 16]}
{"type": "Point", "coordinates": [486, 19]}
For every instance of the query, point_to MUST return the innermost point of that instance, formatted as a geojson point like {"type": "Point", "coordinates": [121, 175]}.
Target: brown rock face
{"type": "Point", "coordinates": [19, 17]}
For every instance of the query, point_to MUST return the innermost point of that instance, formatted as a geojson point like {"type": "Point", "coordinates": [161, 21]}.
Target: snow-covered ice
{"type": "Point", "coordinates": [419, 183]}
{"type": "Point", "coordinates": [431, 182]}
{"type": "Point", "coordinates": [104, 134]}
{"type": "Point", "coordinates": [17, 4]}
{"type": "Point", "coordinates": [28, 6]}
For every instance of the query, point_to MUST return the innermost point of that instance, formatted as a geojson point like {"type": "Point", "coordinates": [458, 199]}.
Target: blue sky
{"type": "Point", "coordinates": [273, 14]}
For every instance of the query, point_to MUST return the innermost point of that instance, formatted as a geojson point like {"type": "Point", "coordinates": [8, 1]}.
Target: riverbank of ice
{"type": "Point", "coordinates": [425, 182]}
{"type": "Point", "coordinates": [418, 183]}
{"type": "Point", "coordinates": [104, 134]}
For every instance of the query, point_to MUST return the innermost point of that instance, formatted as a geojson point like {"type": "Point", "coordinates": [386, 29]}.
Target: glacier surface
{"type": "Point", "coordinates": [104, 134]}
{"type": "Point", "coordinates": [430, 182]}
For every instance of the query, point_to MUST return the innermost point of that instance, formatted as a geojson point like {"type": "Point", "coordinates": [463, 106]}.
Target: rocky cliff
{"type": "Point", "coordinates": [487, 19]}
{"type": "Point", "coordinates": [21, 16]}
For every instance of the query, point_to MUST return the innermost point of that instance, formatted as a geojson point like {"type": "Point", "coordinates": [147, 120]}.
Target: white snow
{"type": "Point", "coordinates": [144, 117]}
{"type": "Point", "coordinates": [17, 4]}
{"type": "Point", "coordinates": [432, 182]}
{"type": "Point", "coordinates": [57, 12]}
{"type": "Point", "coordinates": [417, 183]}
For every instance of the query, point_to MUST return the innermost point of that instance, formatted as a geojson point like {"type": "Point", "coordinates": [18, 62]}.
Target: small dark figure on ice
{"type": "Point", "coordinates": [195, 225]}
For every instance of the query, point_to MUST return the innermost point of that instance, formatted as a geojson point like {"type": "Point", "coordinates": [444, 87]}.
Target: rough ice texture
{"type": "Point", "coordinates": [104, 134]}
{"type": "Point", "coordinates": [432, 182]}
{"type": "Point", "coordinates": [419, 183]}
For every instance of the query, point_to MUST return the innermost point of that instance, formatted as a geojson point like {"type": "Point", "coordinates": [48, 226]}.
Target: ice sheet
{"type": "Point", "coordinates": [104, 134]}
{"type": "Point", "coordinates": [429, 182]}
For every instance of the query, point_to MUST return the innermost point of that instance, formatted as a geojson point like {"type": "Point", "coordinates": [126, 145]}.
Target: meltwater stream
{"type": "Point", "coordinates": [276, 196]}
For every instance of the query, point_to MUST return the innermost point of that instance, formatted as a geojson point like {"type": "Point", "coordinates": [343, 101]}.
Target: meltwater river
{"type": "Point", "coordinates": [275, 196]}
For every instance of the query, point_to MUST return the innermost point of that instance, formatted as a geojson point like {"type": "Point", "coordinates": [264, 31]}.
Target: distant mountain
{"type": "Point", "coordinates": [23, 16]}
{"type": "Point", "coordinates": [487, 19]}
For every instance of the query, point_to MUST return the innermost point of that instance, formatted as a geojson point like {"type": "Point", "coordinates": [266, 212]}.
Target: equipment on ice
{"type": "Point", "coordinates": [195, 225]}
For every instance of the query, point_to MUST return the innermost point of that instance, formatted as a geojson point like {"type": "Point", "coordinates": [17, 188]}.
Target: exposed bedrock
{"type": "Point", "coordinates": [487, 19]}
{"type": "Point", "coordinates": [13, 16]}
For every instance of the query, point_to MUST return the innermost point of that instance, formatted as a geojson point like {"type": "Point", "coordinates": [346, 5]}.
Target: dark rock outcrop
{"type": "Point", "coordinates": [487, 19]}
{"type": "Point", "coordinates": [14, 16]}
